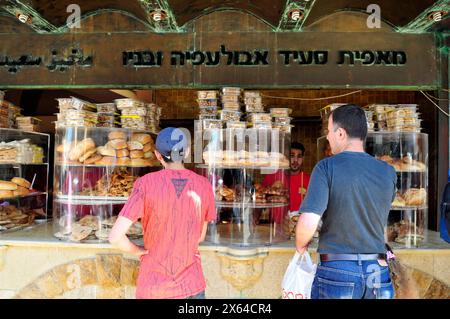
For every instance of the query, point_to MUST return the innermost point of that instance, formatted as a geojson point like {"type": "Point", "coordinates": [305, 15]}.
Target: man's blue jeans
{"type": "Point", "coordinates": [352, 280]}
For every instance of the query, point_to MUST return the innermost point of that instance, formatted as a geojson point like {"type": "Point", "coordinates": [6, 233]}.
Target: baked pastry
{"type": "Point", "coordinates": [103, 233]}
{"type": "Point", "coordinates": [123, 161]}
{"type": "Point", "coordinates": [117, 144]}
{"type": "Point", "coordinates": [150, 155]}
{"type": "Point", "coordinates": [399, 201]}
{"type": "Point", "coordinates": [6, 193]}
{"type": "Point", "coordinates": [107, 160]}
{"type": "Point", "coordinates": [64, 148]}
{"type": "Point", "coordinates": [142, 138]}
{"type": "Point", "coordinates": [140, 162]}
{"type": "Point", "coordinates": [5, 185]}
{"type": "Point", "coordinates": [415, 196]}
{"type": "Point", "coordinates": [86, 155]}
{"type": "Point", "coordinates": [136, 154]}
{"type": "Point", "coordinates": [21, 182]}
{"type": "Point", "coordinates": [80, 232]}
{"type": "Point", "coordinates": [117, 135]}
{"type": "Point", "coordinates": [81, 148]}
{"type": "Point", "coordinates": [148, 147]}
{"type": "Point", "coordinates": [91, 221]}
{"type": "Point", "coordinates": [94, 158]}
{"type": "Point", "coordinates": [106, 151]}
{"type": "Point", "coordinates": [122, 153]}
{"type": "Point", "coordinates": [21, 191]}
{"type": "Point", "coordinates": [135, 145]}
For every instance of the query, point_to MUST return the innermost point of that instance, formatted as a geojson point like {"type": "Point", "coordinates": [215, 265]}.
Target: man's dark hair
{"type": "Point", "coordinates": [352, 119]}
{"type": "Point", "coordinates": [298, 146]}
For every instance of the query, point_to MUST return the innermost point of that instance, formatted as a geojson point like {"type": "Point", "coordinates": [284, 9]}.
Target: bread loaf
{"type": "Point", "coordinates": [123, 161]}
{"type": "Point", "coordinates": [81, 148]}
{"type": "Point", "coordinates": [140, 162]}
{"type": "Point", "coordinates": [21, 191]}
{"type": "Point", "coordinates": [142, 138]}
{"type": "Point", "coordinates": [148, 147]}
{"type": "Point", "coordinates": [135, 145]}
{"type": "Point", "coordinates": [94, 158]}
{"type": "Point", "coordinates": [21, 182]}
{"type": "Point", "coordinates": [117, 135]}
{"type": "Point", "coordinates": [136, 154]}
{"type": "Point", "coordinates": [6, 193]}
{"type": "Point", "coordinates": [122, 153]}
{"type": "Point", "coordinates": [150, 155]}
{"type": "Point", "coordinates": [118, 144]}
{"type": "Point", "coordinates": [5, 185]}
{"type": "Point", "coordinates": [87, 155]}
{"type": "Point", "coordinates": [64, 148]}
{"type": "Point", "coordinates": [107, 160]}
{"type": "Point", "coordinates": [106, 151]}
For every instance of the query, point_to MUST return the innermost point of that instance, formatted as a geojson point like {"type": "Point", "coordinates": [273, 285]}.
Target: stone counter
{"type": "Point", "coordinates": [34, 264]}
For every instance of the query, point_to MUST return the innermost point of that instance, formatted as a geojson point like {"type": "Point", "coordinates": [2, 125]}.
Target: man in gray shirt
{"type": "Point", "coordinates": [352, 193]}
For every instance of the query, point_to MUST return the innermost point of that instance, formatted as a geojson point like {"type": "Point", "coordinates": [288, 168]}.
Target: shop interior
{"type": "Point", "coordinates": [180, 108]}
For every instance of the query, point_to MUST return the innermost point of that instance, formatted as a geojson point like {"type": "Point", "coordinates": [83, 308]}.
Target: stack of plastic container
{"type": "Point", "coordinates": [107, 115]}
{"type": "Point", "coordinates": [260, 120]}
{"type": "Point", "coordinates": [208, 103]}
{"type": "Point", "coordinates": [253, 102]}
{"type": "Point", "coordinates": [28, 123]}
{"type": "Point", "coordinates": [404, 118]}
{"type": "Point", "coordinates": [380, 115]}
{"type": "Point", "coordinates": [133, 114]}
{"type": "Point", "coordinates": [154, 116]}
{"type": "Point", "coordinates": [76, 112]}
{"type": "Point", "coordinates": [281, 119]}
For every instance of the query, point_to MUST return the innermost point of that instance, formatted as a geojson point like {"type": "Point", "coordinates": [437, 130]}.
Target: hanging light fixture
{"type": "Point", "coordinates": [158, 15]}
{"type": "Point", "coordinates": [296, 14]}
{"type": "Point", "coordinates": [24, 18]}
{"type": "Point", "coordinates": [437, 15]}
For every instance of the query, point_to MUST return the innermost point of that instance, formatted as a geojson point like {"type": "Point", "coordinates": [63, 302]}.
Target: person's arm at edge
{"type": "Point", "coordinates": [118, 238]}
{"type": "Point", "coordinates": [203, 235]}
{"type": "Point", "coordinates": [306, 227]}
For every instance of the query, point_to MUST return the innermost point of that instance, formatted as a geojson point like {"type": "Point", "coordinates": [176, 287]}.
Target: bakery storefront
{"type": "Point", "coordinates": [81, 109]}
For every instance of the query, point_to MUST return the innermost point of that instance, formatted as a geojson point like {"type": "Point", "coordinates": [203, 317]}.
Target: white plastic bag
{"type": "Point", "coordinates": [299, 277]}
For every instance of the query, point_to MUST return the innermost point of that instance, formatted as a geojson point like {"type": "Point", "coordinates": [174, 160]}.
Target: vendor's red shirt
{"type": "Point", "coordinates": [173, 206]}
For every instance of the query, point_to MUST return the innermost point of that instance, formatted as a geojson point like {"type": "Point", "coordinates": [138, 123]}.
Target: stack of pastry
{"type": "Point", "coordinates": [28, 123]}
{"type": "Point", "coordinates": [231, 98]}
{"type": "Point", "coordinates": [11, 216]}
{"type": "Point", "coordinates": [138, 151]}
{"type": "Point", "coordinates": [75, 112]}
{"type": "Point", "coordinates": [208, 104]}
{"type": "Point", "coordinates": [118, 184]}
{"type": "Point", "coordinates": [253, 102]}
{"type": "Point", "coordinates": [16, 187]}
{"type": "Point", "coordinates": [404, 118]}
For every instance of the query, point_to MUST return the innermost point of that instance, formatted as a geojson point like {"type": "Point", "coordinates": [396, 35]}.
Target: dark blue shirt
{"type": "Point", "coordinates": [353, 192]}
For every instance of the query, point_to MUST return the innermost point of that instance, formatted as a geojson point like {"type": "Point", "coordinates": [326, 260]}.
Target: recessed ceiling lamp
{"type": "Point", "coordinates": [158, 15]}
{"type": "Point", "coordinates": [437, 15]}
{"type": "Point", "coordinates": [296, 14]}
{"type": "Point", "coordinates": [24, 18]}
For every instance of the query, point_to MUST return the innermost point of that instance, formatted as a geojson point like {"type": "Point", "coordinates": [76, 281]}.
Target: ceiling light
{"type": "Point", "coordinates": [296, 14]}
{"type": "Point", "coordinates": [24, 18]}
{"type": "Point", "coordinates": [437, 15]}
{"type": "Point", "coordinates": [158, 15]}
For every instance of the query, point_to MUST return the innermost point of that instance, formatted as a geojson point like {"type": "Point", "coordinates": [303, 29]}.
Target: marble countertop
{"type": "Point", "coordinates": [42, 236]}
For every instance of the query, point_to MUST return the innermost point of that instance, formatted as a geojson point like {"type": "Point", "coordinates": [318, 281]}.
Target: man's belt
{"type": "Point", "coordinates": [351, 257]}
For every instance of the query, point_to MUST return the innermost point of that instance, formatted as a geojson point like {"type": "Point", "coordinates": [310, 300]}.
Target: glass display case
{"type": "Point", "coordinates": [23, 178]}
{"type": "Point", "coordinates": [249, 171]}
{"type": "Point", "coordinates": [95, 169]}
{"type": "Point", "coordinates": [407, 152]}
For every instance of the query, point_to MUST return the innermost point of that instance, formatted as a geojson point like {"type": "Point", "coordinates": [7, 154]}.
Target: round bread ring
{"type": "Point", "coordinates": [86, 155]}
{"type": "Point", "coordinates": [94, 158]}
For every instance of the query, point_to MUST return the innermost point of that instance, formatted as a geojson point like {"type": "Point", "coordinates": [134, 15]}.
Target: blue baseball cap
{"type": "Point", "coordinates": [172, 143]}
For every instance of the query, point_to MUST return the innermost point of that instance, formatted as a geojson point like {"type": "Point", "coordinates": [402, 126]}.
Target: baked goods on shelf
{"type": "Point", "coordinates": [120, 149]}
{"type": "Point", "coordinates": [405, 232]}
{"type": "Point", "coordinates": [117, 184]}
{"type": "Point", "coordinates": [411, 197]}
{"type": "Point", "coordinates": [406, 164]}
{"type": "Point", "coordinates": [11, 217]}
{"type": "Point", "coordinates": [20, 152]}
{"type": "Point", "coordinates": [17, 187]}
{"type": "Point", "coordinates": [91, 227]}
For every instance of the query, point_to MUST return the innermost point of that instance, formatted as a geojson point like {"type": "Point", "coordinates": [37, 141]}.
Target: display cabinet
{"type": "Point", "coordinates": [407, 152]}
{"type": "Point", "coordinates": [249, 171]}
{"type": "Point", "coordinates": [23, 178]}
{"type": "Point", "coordinates": [95, 169]}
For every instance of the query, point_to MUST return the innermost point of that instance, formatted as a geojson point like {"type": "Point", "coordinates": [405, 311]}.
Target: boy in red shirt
{"type": "Point", "coordinates": [175, 206]}
{"type": "Point", "coordinates": [298, 180]}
